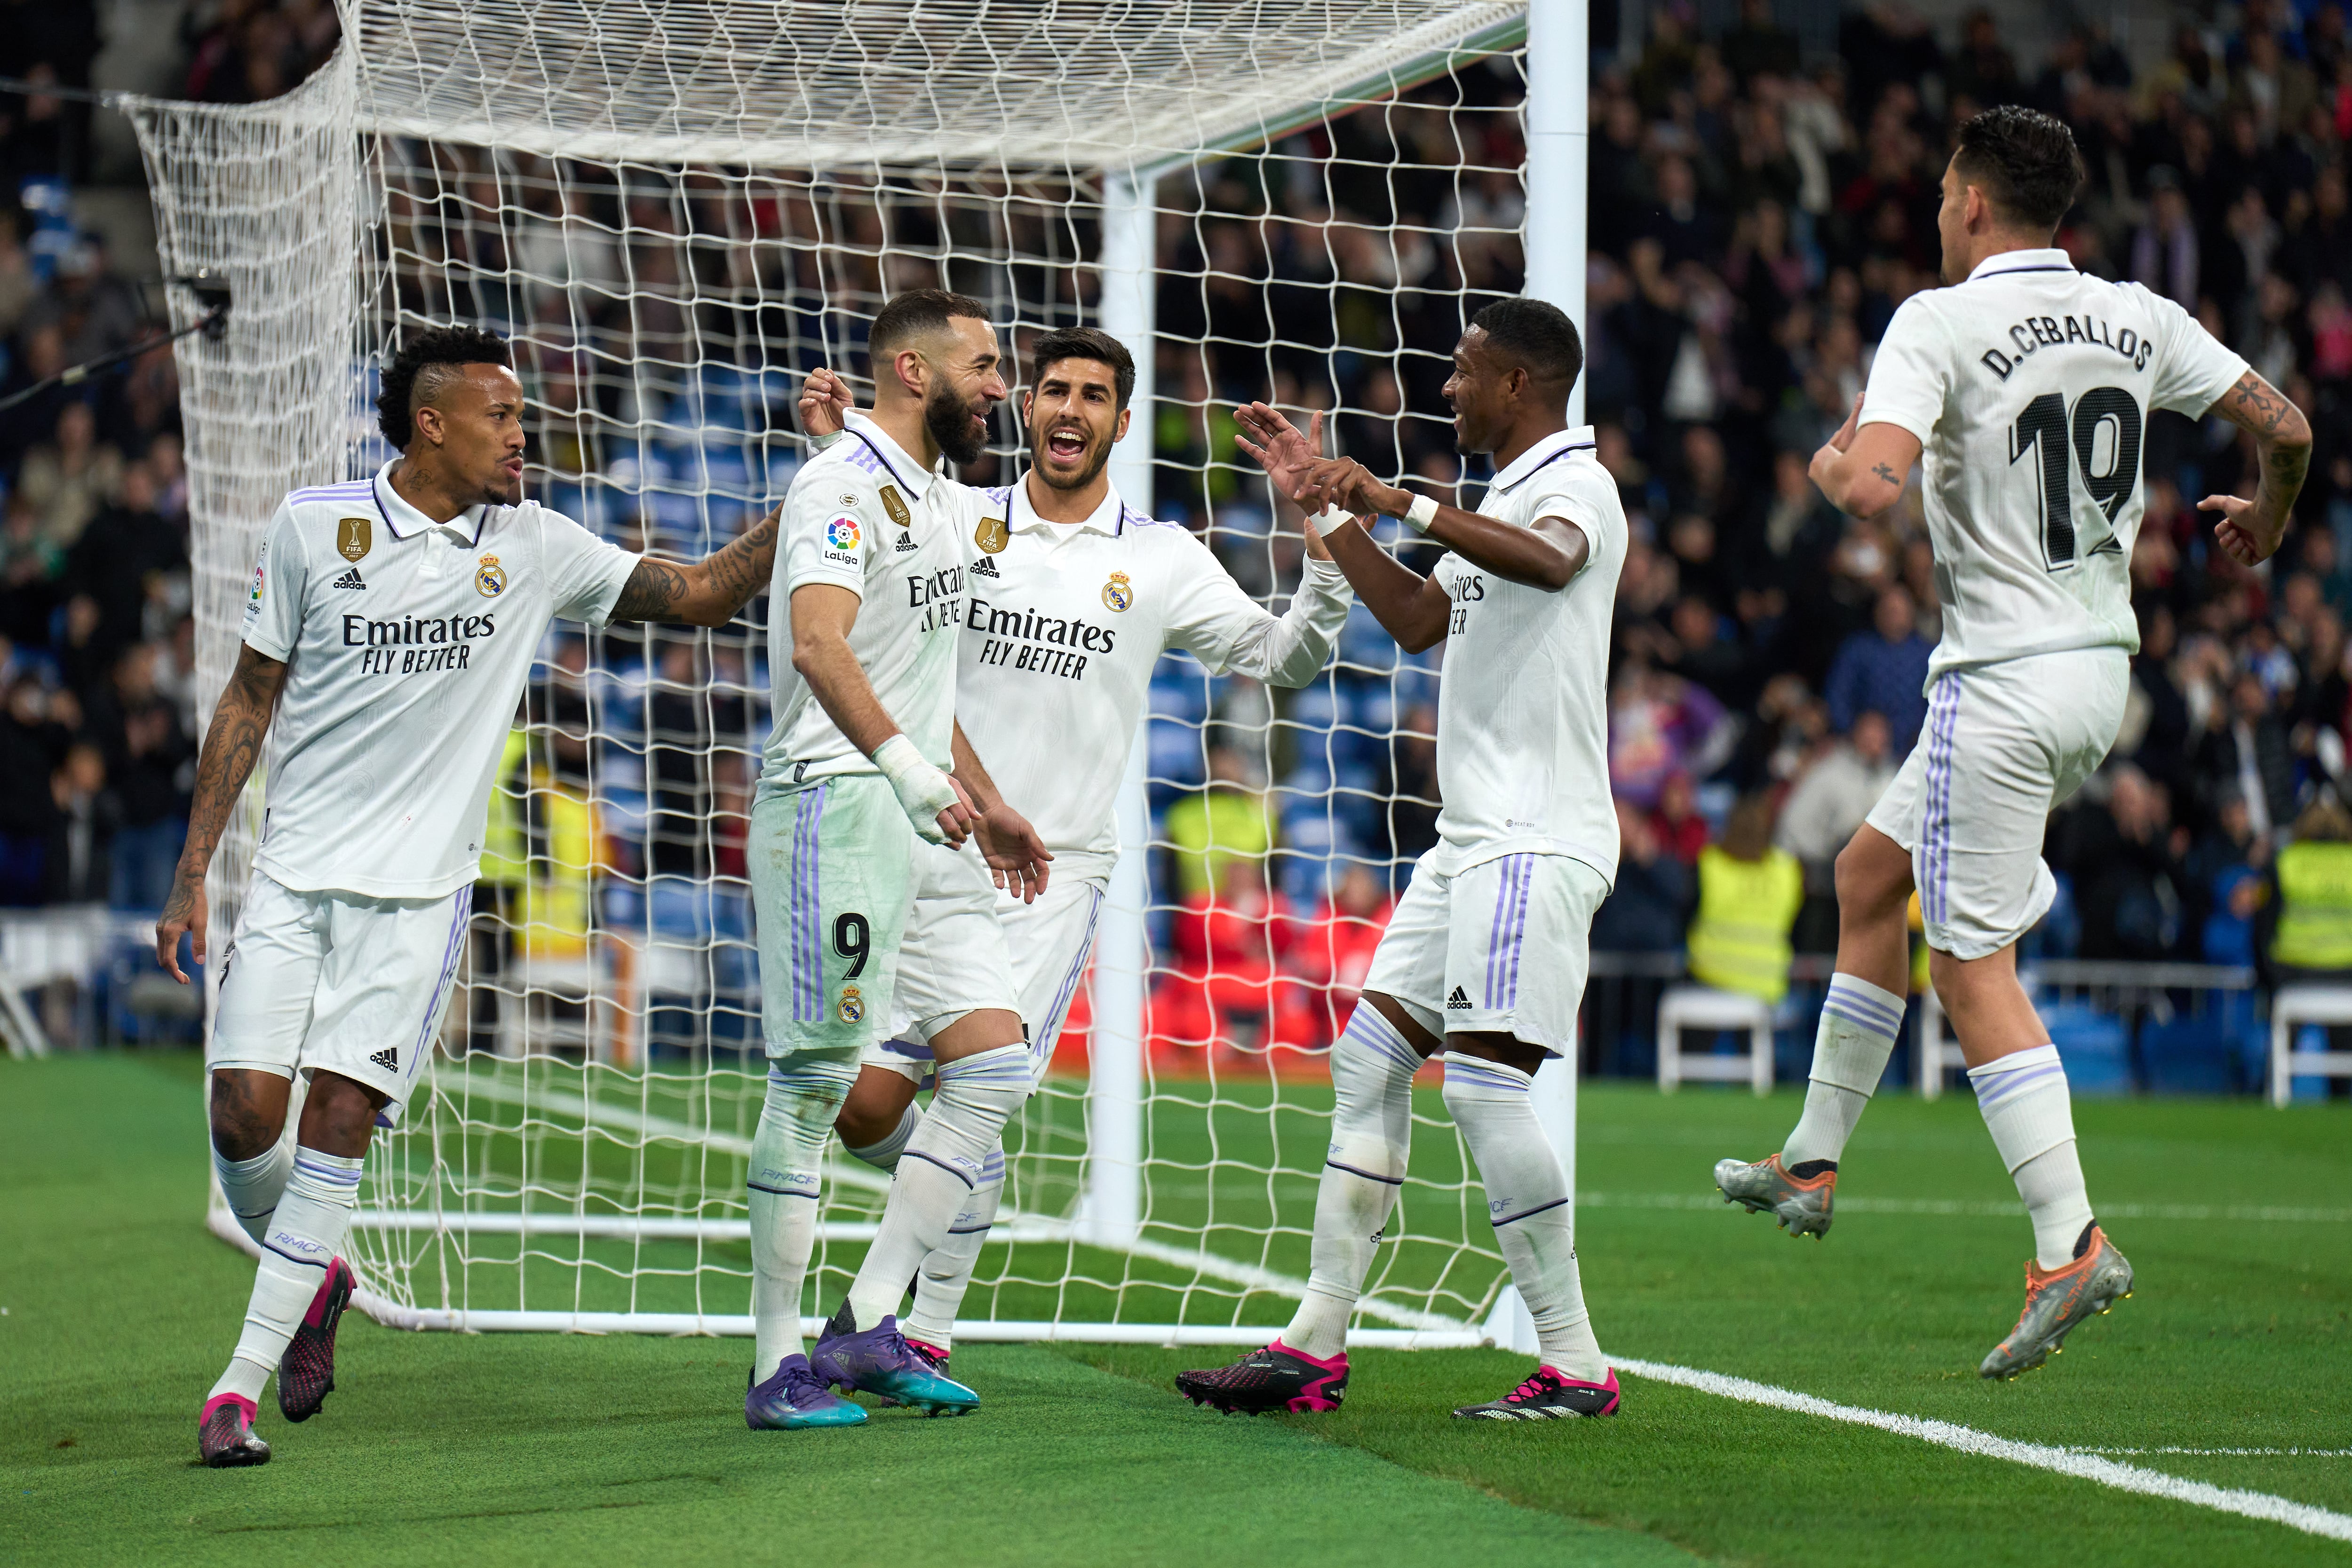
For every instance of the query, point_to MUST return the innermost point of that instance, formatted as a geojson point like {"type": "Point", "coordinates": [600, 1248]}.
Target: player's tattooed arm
{"type": "Point", "coordinates": [1861, 467]}
{"type": "Point", "coordinates": [232, 747]}
{"type": "Point", "coordinates": [2250, 531]}
{"type": "Point", "coordinates": [709, 591]}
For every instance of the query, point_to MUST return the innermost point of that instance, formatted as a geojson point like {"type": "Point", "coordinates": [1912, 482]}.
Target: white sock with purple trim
{"type": "Point", "coordinates": [306, 1234]}
{"type": "Point", "coordinates": [1526, 1199]}
{"type": "Point", "coordinates": [939, 1172]}
{"type": "Point", "coordinates": [948, 1268]}
{"type": "Point", "coordinates": [1856, 1035]}
{"type": "Point", "coordinates": [785, 1186]}
{"type": "Point", "coordinates": [254, 1186]}
{"type": "Point", "coordinates": [1371, 1135]}
{"type": "Point", "coordinates": [2026, 1107]}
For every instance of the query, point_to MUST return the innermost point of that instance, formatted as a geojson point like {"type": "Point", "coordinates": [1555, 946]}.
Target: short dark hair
{"type": "Point", "coordinates": [413, 379]}
{"type": "Point", "coordinates": [1084, 343]}
{"type": "Point", "coordinates": [1538, 335]}
{"type": "Point", "coordinates": [2026, 162]}
{"type": "Point", "coordinates": [916, 313]}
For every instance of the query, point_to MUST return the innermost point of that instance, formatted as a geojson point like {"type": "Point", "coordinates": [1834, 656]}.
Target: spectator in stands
{"type": "Point", "coordinates": [1335, 949]}
{"type": "Point", "coordinates": [2124, 855]}
{"type": "Point", "coordinates": [151, 761]}
{"type": "Point", "coordinates": [2313, 941]}
{"type": "Point", "coordinates": [1651, 904]}
{"type": "Point", "coordinates": [1883, 670]}
{"type": "Point", "coordinates": [2248, 752]}
{"type": "Point", "coordinates": [1833, 796]}
{"type": "Point", "coordinates": [78, 859]}
{"type": "Point", "coordinates": [124, 559]}
{"type": "Point", "coordinates": [27, 808]}
{"type": "Point", "coordinates": [1749, 895]}
{"type": "Point", "coordinates": [1228, 822]}
{"type": "Point", "coordinates": [67, 480]}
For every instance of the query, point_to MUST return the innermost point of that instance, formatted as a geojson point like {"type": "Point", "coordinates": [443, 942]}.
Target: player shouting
{"type": "Point", "coordinates": [1485, 956]}
{"type": "Point", "coordinates": [855, 817]}
{"type": "Point", "coordinates": [2026, 386]}
{"type": "Point", "coordinates": [390, 629]}
{"type": "Point", "coordinates": [1074, 596]}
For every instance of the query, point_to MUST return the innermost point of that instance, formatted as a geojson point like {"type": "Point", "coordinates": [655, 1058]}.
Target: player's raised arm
{"type": "Point", "coordinates": [2251, 530]}
{"type": "Point", "coordinates": [232, 746]}
{"type": "Point", "coordinates": [1862, 468]}
{"type": "Point", "coordinates": [707, 592]}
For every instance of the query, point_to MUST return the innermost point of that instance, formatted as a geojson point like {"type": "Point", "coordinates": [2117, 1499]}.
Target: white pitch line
{"type": "Point", "coordinates": [2076, 1462]}
{"type": "Point", "coordinates": [2233, 1453]}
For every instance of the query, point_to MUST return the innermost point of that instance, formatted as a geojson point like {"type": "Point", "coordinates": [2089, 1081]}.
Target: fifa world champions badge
{"type": "Point", "coordinates": [991, 535]}
{"type": "Point", "coordinates": [1118, 593]}
{"type": "Point", "coordinates": [489, 576]}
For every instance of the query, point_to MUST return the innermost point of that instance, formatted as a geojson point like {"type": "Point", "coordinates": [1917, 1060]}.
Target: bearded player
{"type": "Point", "coordinates": [2025, 385]}
{"type": "Point", "coordinates": [1487, 954]}
{"type": "Point", "coordinates": [1074, 596]}
{"type": "Point", "coordinates": [389, 628]}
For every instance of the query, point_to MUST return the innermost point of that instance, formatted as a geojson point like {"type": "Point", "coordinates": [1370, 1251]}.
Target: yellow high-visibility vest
{"type": "Point", "coordinates": [2315, 923]}
{"type": "Point", "coordinates": [505, 849]}
{"type": "Point", "coordinates": [1739, 941]}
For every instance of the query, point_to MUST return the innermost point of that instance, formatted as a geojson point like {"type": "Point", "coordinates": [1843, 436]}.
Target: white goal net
{"type": "Point", "coordinates": [673, 213]}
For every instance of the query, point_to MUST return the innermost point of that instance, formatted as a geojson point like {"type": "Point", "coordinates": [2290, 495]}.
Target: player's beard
{"type": "Point", "coordinates": [1098, 458]}
{"type": "Point", "coordinates": [949, 420]}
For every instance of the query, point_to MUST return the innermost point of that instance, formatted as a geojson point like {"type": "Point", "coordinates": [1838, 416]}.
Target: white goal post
{"type": "Point", "coordinates": [673, 212]}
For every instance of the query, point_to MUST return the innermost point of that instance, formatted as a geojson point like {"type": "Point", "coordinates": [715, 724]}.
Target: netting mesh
{"type": "Point", "coordinates": [667, 277]}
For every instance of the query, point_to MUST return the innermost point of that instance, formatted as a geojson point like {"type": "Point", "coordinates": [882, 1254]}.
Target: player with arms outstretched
{"type": "Point", "coordinates": [856, 817]}
{"type": "Point", "coordinates": [1486, 955]}
{"type": "Point", "coordinates": [1074, 596]}
{"type": "Point", "coordinates": [390, 629]}
{"type": "Point", "coordinates": [2026, 386]}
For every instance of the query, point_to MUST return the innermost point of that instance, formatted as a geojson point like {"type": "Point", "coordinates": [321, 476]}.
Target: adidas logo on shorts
{"type": "Point", "coordinates": [905, 542]}
{"type": "Point", "coordinates": [388, 1058]}
{"type": "Point", "coordinates": [1460, 998]}
{"type": "Point", "coordinates": [351, 578]}
{"type": "Point", "coordinates": [986, 568]}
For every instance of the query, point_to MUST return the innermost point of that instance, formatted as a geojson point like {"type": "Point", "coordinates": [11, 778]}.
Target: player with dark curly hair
{"type": "Point", "coordinates": [389, 628]}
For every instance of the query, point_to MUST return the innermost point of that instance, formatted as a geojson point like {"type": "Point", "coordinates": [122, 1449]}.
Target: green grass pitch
{"type": "Point", "coordinates": [538, 1449]}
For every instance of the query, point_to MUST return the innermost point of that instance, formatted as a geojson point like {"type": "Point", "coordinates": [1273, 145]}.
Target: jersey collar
{"type": "Point", "coordinates": [1552, 448]}
{"type": "Point", "coordinates": [1106, 519]}
{"type": "Point", "coordinates": [2051, 260]}
{"type": "Point", "coordinates": [895, 457]}
{"type": "Point", "coordinates": [406, 522]}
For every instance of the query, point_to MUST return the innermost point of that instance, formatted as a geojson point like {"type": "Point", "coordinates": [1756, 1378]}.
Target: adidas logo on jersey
{"type": "Point", "coordinates": [388, 1058]}
{"type": "Point", "coordinates": [905, 542]}
{"type": "Point", "coordinates": [984, 567]}
{"type": "Point", "coordinates": [1460, 998]}
{"type": "Point", "coordinates": [351, 578]}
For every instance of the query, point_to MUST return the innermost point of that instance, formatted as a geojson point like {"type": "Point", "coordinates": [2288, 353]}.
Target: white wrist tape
{"type": "Point", "coordinates": [819, 443]}
{"type": "Point", "coordinates": [923, 790]}
{"type": "Point", "coordinates": [1329, 520]}
{"type": "Point", "coordinates": [1421, 513]}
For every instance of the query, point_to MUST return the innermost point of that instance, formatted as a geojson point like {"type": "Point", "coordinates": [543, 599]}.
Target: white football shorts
{"type": "Point", "coordinates": [1503, 946]}
{"type": "Point", "coordinates": [2004, 745]}
{"type": "Point", "coordinates": [969, 945]}
{"type": "Point", "coordinates": [336, 981]}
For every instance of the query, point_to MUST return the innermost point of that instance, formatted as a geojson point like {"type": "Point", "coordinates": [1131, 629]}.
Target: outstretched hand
{"type": "Point", "coordinates": [1277, 444]}
{"type": "Point", "coordinates": [2231, 532]}
{"type": "Point", "coordinates": [825, 401]}
{"type": "Point", "coordinates": [184, 914]}
{"type": "Point", "coordinates": [1015, 854]}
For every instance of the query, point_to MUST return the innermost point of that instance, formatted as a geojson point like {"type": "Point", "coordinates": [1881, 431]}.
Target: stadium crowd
{"type": "Point", "coordinates": [1758, 212]}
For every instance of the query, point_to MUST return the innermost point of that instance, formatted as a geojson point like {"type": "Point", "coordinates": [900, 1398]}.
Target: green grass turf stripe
{"type": "Point", "coordinates": [547, 1449]}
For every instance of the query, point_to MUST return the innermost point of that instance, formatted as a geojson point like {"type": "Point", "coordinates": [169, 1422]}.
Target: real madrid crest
{"type": "Point", "coordinates": [1118, 593]}
{"type": "Point", "coordinates": [489, 576]}
{"type": "Point", "coordinates": [896, 506]}
{"type": "Point", "coordinates": [354, 537]}
{"type": "Point", "coordinates": [991, 535]}
{"type": "Point", "coordinates": [853, 1005]}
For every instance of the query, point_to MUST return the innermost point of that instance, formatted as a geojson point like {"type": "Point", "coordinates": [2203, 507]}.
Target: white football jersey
{"type": "Point", "coordinates": [407, 642]}
{"type": "Point", "coordinates": [1065, 624]}
{"type": "Point", "coordinates": [1522, 696]}
{"type": "Point", "coordinates": [865, 516]}
{"type": "Point", "coordinates": [2028, 386]}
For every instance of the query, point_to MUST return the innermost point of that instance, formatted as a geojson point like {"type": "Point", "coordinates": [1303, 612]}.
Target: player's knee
{"type": "Point", "coordinates": [1874, 877]}
{"type": "Point", "coordinates": [247, 1113]}
{"type": "Point", "coordinates": [339, 1114]}
{"type": "Point", "coordinates": [876, 1104]}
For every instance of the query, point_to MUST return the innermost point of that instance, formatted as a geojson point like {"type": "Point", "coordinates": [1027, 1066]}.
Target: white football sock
{"type": "Point", "coordinates": [1372, 1136]}
{"type": "Point", "coordinates": [937, 1174]}
{"type": "Point", "coordinates": [254, 1186]}
{"type": "Point", "coordinates": [1859, 1023]}
{"type": "Point", "coordinates": [2027, 1109]}
{"type": "Point", "coordinates": [883, 1154]}
{"type": "Point", "coordinates": [805, 1095]}
{"type": "Point", "coordinates": [1526, 1198]}
{"type": "Point", "coordinates": [948, 1268]}
{"type": "Point", "coordinates": [306, 1234]}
